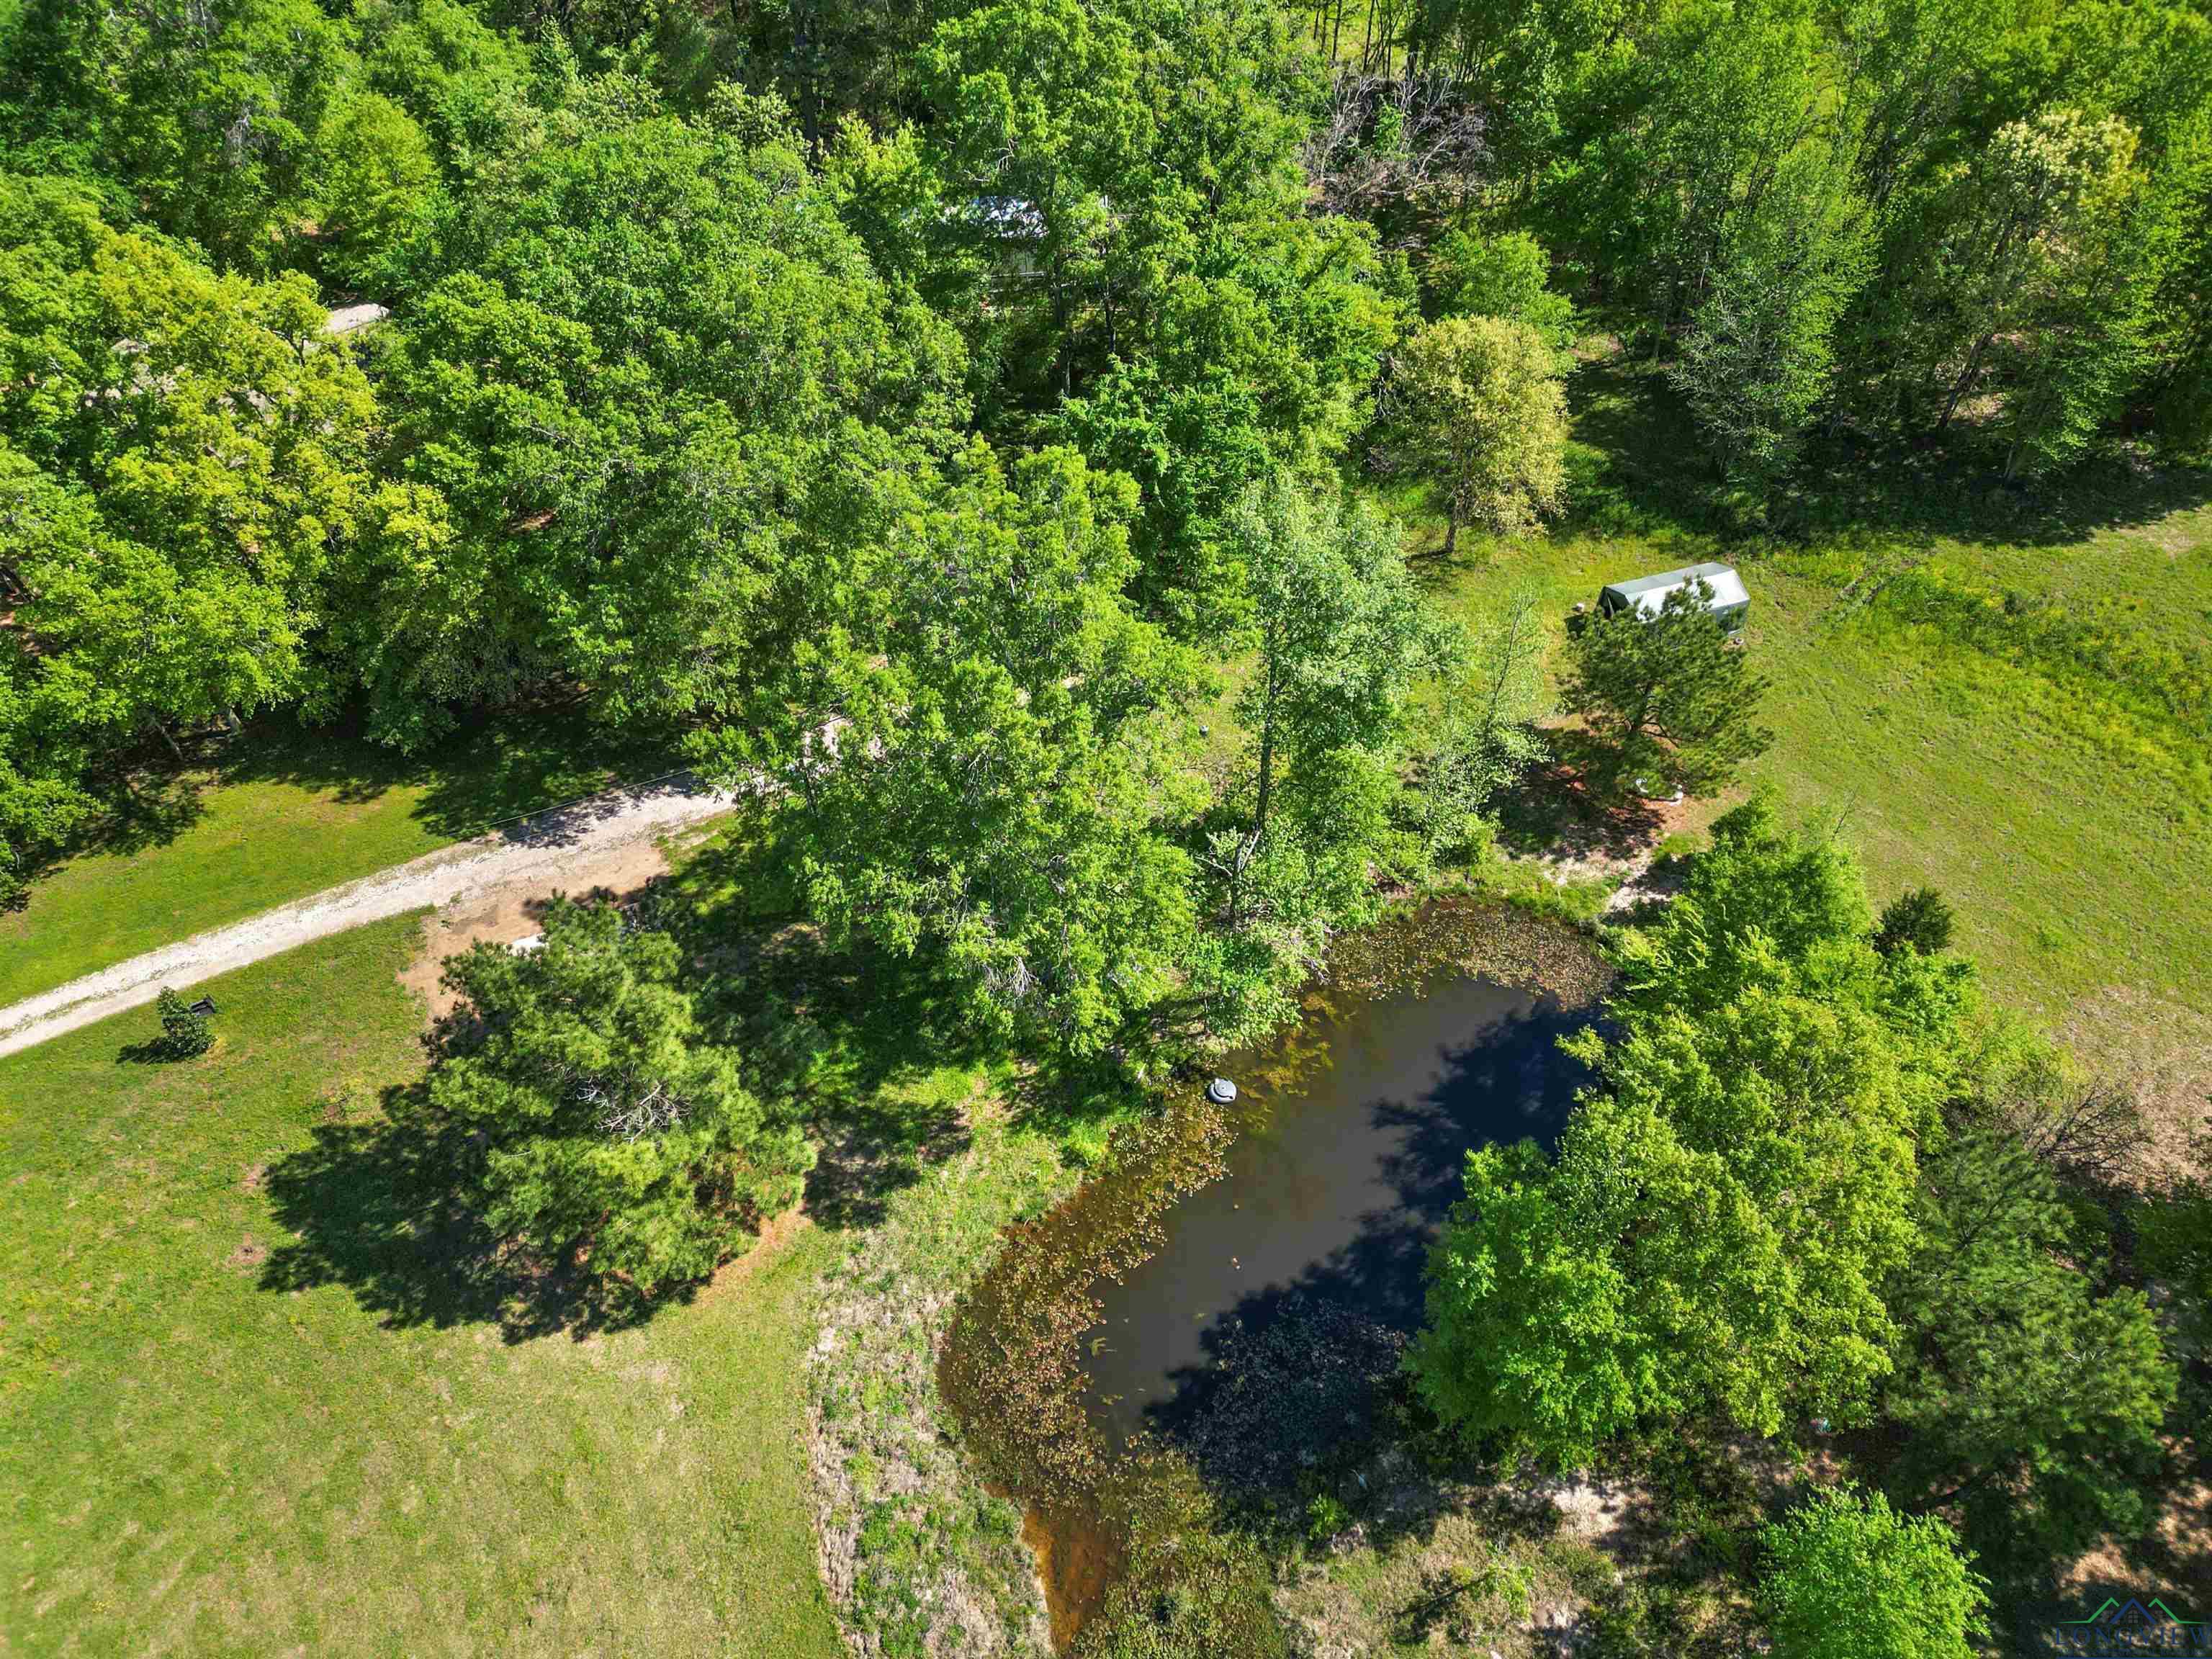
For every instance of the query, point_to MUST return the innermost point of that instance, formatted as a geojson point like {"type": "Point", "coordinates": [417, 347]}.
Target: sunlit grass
{"type": "Point", "coordinates": [279, 813]}
{"type": "Point", "coordinates": [199, 1459]}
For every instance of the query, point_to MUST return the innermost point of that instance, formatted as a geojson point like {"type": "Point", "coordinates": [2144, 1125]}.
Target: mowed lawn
{"type": "Point", "coordinates": [279, 813]}
{"type": "Point", "coordinates": [2026, 739]}
{"type": "Point", "coordinates": [247, 1411]}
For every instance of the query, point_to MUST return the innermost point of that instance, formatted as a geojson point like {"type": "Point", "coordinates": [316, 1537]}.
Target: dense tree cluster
{"type": "Point", "coordinates": [698, 318]}
{"type": "Point", "coordinates": [1815, 1188]}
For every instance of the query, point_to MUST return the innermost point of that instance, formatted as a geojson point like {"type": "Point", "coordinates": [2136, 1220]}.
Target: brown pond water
{"type": "Point", "coordinates": [1336, 1183]}
{"type": "Point", "coordinates": [1231, 1294]}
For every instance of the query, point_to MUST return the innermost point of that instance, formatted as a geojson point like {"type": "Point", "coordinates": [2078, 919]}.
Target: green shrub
{"type": "Point", "coordinates": [1326, 1517]}
{"type": "Point", "coordinates": [1848, 1579]}
{"type": "Point", "coordinates": [186, 1031]}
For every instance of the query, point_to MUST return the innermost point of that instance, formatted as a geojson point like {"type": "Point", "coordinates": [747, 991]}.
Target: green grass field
{"type": "Point", "coordinates": [250, 1411]}
{"type": "Point", "coordinates": [2021, 719]}
{"type": "Point", "coordinates": [279, 813]}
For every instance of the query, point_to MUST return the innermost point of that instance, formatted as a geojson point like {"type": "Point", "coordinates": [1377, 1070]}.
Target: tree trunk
{"type": "Point", "coordinates": [1966, 378]}
{"type": "Point", "coordinates": [1451, 529]}
{"type": "Point", "coordinates": [1250, 850]}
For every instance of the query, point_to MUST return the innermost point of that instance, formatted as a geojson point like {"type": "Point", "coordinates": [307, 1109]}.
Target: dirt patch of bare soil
{"type": "Point", "coordinates": [504, 915]}
{"type": "Point", "coordinates": [772, 1241]}
{"type": "Point", "coordinates": [1514, 1570]}
{"type": "Point", "coordinates": [2177, 1551]}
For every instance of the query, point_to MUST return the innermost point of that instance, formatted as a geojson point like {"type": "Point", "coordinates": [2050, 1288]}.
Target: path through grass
{"type": "Point", "coordinates": [279, 813]}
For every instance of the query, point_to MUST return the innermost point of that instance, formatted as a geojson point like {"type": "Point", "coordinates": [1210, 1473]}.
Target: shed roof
{"type": "Point", "coordinates": [1648, 593]}
{"type": "Point", "coordinates": [346, 319]}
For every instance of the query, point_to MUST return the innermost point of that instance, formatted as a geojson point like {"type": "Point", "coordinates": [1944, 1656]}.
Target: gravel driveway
{"type": "Point", "coordinates": [559, 847]}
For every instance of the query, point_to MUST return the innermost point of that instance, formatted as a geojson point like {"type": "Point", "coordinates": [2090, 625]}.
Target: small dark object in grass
{"type": "Point", "coordinates": [186, 1030]}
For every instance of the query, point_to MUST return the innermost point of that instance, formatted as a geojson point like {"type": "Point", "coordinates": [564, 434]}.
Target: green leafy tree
{"type": "Point", "coordinates": [997, 794]}
{"type": "Point", "coordinates": [1339, 635]}
{"type": "Point", "coordinates": [1710, 1239]}
{"type": "Point", "coordinates": [1477, 405]}
{"type": "Point", "coordinates": [604, 1125]}
{"type": "Point", "coordinates": [1667, 697]}
{"type": "Point", "coordinates": [379, 183]}
{"type": "Point", "coordinates": [2027, 272]}
{"type": "Point", "coordinates": [1847, 1577]}
{"type": "Point", "coordinates": [1758, 357]}
{"type": "Point", "coordinates": [2176, 1231]}
{"type": "Point", "coordinates": [1192, 449]}
{"type": "Point", "coordinates": [649, 439]}
{"type": "Point", "coordinates": [466, 85]}
{"type": "Point", "coordinates": [1682, 142]}
{"type": "Point", "coordinates": [1487, 734]}
{"type": "Point", "coordinates": [1506, 275]}
{"type": "Point", "coordinates": [1727, 1202]}
{"type": "Point", "coordinates": [207, 117]}
{"type": "Point", "coordinates": [185, 470]}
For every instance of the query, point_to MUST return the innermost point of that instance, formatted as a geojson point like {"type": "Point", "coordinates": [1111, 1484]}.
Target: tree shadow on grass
{"type": "Point", "coordinates": [378, 1207]}
{"type": "Point", "coordinates": [494, 768]}
{"type": "Point", "coordinates": [1571, 809]}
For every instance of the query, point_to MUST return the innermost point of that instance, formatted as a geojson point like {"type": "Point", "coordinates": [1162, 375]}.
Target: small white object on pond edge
{"type": "Point", "coordinates": [1221, 1091]}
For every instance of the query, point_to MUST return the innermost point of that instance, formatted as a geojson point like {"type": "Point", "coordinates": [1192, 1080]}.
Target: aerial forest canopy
{"type": "Point", "coordinates": [717, 337]}
{"type": "Point", "coordinates": [1102, 483]}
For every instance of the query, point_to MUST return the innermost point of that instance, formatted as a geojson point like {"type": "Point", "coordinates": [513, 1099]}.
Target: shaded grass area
{"type": "Point", "coordinates": [2005, 695]}
{"type": "Point", "coordinates": [279, 813]}
{"type": "Point", "coordinates": [207, 1453]}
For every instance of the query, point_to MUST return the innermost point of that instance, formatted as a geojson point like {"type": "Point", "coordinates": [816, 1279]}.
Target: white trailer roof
{"type": "Point", "coordinates": [1649, 594]}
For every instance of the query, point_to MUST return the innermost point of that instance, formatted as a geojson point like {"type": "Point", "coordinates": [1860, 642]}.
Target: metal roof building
{"type": "Point", "coordinates": [1730, 600]}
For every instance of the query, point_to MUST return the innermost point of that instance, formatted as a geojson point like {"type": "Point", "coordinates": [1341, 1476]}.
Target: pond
{"type": "Point", "coordinates": [1344, 1164]}
{"type": "Point", "coordinates": [1231, 1294]}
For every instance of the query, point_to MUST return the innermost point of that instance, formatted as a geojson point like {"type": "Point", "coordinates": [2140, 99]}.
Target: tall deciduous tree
{"type": "Point", "coordinates": [1671, 701]}
{"type": "Point", "coordinates": [378, 182]}
{"type": "Point", "coordinates": [1724, 1209]}
{"type": "Point", "coordinates": [672, 413]}
{"type": "Point", "coordinates": [185, 470]}
{"type": "Point", "coordinates": [2028, 1401]}
{"type": "Point", "coordinates": [1339, 635]}
{"type": "Point", "coordinates": [1487, 734]}
{"type": "Point", "coordinates": [1757, 358]}
{"type": "Point", "coordinates": [2029, 245]}
{"type": "Point", "coordinates": [1506, 275]}
{"type": "Point", "coordinates": [1478, 403]}
{"type": "Point", "coordinates": [208, 115]}
{"type": "Point", "coordinates": [999, 794]}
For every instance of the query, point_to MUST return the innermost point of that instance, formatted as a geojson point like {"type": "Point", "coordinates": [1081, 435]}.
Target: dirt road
{"type": "Point", "coordinates": [576, 848]}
